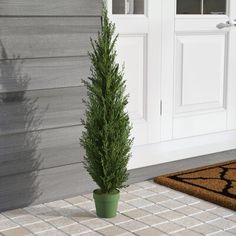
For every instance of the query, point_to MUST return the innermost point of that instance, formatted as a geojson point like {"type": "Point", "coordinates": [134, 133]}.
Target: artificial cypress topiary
{"type": "Point", "coordinates": [106, 136]}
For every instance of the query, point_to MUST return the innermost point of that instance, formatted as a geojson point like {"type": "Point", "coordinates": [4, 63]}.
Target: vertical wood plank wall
{"type": "Point", "coordinates": [43, 58]}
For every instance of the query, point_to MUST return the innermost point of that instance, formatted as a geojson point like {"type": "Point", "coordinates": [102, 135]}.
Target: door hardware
{"type": "Point", "coordinates": [227, 24]}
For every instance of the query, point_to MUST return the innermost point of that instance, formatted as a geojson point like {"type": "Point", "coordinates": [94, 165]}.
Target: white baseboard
{"type": "Point", "coordinates": [153, 154]}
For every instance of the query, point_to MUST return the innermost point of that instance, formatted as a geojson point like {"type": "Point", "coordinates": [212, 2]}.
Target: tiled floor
{"type": "Point", "coordinates": [145, 209]}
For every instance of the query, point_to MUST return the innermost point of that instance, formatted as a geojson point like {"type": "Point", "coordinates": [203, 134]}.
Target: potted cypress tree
{"type": "Point", "coordinates": [106, 136]}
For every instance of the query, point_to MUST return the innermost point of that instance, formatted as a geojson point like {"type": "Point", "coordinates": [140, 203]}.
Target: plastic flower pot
{"type": "Point", "coordinates": [106, 203]}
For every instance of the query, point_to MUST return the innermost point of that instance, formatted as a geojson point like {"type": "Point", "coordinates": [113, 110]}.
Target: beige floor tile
{"type": "Point", "coordinates": [222, 212]}
{"type": "Point", "coordinates": [160, 189]}
{"type": "Point", "coordinates": [7, 224]}
{"type": "Point", "coordinates": [147, 184]}
{"type": "Point", "coordinates": [152, 220]}
{"type": "Point", "coordinates": [189, 210]}
{"type": "Point", "coordinates": [69, 211]}
{"type": "Point", "coordinates": [223, 223]}
{"type": "Point", "coordinates": [75, 229]}
{"type": "Point", "coordinates": [49, 215]}
{"type": "Point", "coordinates": [132, 188]}
{"type": "Point", "coordinates": [205, 206]}
{"type": "Point", "coordinates": [133, 226]}
{"type": "Point", "coordinates": [172, 204]}
{"type": "Point", "coordinates": [123, 207]}
{"type": "Point", "coordinates": [38, 209]}
{"type": "Point", "coordinates": [15, 213]}
{"type": "Point", "coordinates": [223, 233]}
{"type": "Point", "coordinates": [26, 219]}
{"type": "Point", "coordinates": [188, 200]}
{"type": "Point", "coordinates": [96, 224]}
{"type": "Point", "coordinates": [149, 232]}
{"type": "Point", "coordinates": [112, 231]}
{"type": "Point", "coordinates": [58, 204]}
{"type": "Point", "coordinates": [137, 213]}
{"type": "Point", "coordinates": [206, 229]}
{"type": "Point", "coordinates": [39, 227]}
{"type": "Point", "coordinates": [172, 194]}
{"type": "Point", "coordinates": [205, 216]}
{"type": "Point", "coordinates": [188, 222]}
{"type": "Point", "coordinates": [158, 198]}
{"type": "Point", "coordinates": [171, 215]}
{"type": "Point", "coordinates": [125, 197]}
{"type": "Point", "coordinates": [120, 218]}
{"type": "Point", "coordinates": [61, 222]}
{"type": "Point", "coordinates": [77, 200]}
{"type": "Point", "coordinates": [2, 217]}
{"type": "Point", "coordinates": [84, 216]}
{"type": "Point", "coordinates": [88, 206]}
{"type": "Point", "coordinates": [155, 209]}
{"type": "Point", "coordinates": [53, 232]}
{"type": "Point", "coordinates": [169, 227]}
{"type": "Point", "coordinates": [186, 232]}
{"type": "Point", "coordinates": [233, 230]}
{"type": "Point", "coordinates": [90, 234]}
{"type": "Point", "coordinates": [140, 203]}
{"type": "Point", "coordinates": [19, 231]}
{"type": "Point", "coordinates": [232, 218]}
{"type": "Point", "coordinates": [144, 193]}
{"type": "Point", "coordinates": [89, 196]}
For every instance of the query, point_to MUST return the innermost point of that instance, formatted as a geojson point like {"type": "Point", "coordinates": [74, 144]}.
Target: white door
{"type": "Point", "coordinates": [139, 49]}
{"type": "Point", "coordinates": [199, 72]}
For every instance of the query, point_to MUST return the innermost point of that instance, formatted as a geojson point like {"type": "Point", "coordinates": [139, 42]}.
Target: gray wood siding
{"type": "Point", "coordinates": [43, 73]}
{"type": "Point", "coordinates": [41, 109]}
{"type": "Point", "coordinates": [24, 152]}
{"type": "Point", "coordinates": [45, 185]}
{"type": "Point", "coordinates": [50, 8]}
{"type": "Point", "coordinates": [43, 37]}
{"type": "Point", "coordinates": [44, 48]}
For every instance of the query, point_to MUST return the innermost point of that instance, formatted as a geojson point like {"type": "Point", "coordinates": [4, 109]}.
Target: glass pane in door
{"type": "Point", "coordinates": [138, 6]}
{"type": "Point", "coordinates": [128, 6]}
{"type": "Point", "coordinates": [215, 7]}
{"type": "Point", "coordinates": [189, 6]}
{"type": "Point", "coordinates": [118, 7]}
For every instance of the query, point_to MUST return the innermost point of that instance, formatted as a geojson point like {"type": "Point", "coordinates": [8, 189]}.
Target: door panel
{"type": "Point", "coordinates": [200, 72]}
{"type": "Point", "coordinates": [199, 80]}
{"type": "Point", "coordinates": [139, 49]}
{"type": "Point", "coordinates": [131, 53]}
{"type": "Point", "coordinates": [203, 69]}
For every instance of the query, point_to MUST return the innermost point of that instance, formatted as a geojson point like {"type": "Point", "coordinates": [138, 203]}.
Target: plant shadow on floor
{"type": "Point", "coordinates": [20, 115]}
{"type": "Point", "coordinates": [74, 213]}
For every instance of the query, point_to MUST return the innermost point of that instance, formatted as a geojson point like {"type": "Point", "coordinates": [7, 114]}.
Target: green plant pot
{"type": "Point", "coordinates": [106, 203]}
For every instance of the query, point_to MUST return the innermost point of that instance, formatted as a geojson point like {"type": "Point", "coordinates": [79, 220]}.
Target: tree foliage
{"type": "Point", "coordinates": [106, 136]}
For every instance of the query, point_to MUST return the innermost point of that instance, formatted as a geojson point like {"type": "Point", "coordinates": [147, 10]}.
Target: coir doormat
{"type": "Point", "coordinates": [215, 183]}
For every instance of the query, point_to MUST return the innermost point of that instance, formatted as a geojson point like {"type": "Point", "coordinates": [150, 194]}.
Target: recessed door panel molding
{"type": "Point", "coordinates": [200, 72]}
{"type": "Point", "coordinates": [132, 54]}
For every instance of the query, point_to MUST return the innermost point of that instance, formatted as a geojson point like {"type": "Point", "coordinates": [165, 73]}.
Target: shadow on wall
{"type": "Point", "coordinates": [19, 115]}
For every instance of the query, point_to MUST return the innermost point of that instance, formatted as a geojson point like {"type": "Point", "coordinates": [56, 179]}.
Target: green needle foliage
{"type": "Point", "coordinates": [106, 137]}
